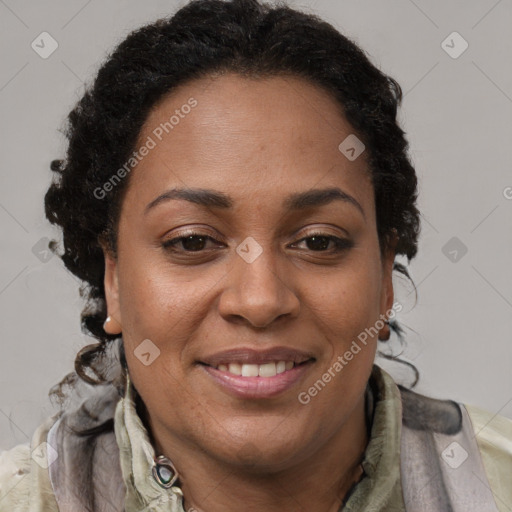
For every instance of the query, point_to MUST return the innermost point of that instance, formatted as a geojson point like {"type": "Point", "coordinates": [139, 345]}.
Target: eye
{"type": "Point", "coordinates": [190, 242]}
{"type": "Point", "coordinates": [320, 242]}
{"type": "Point", "coordinates": [194, 242]}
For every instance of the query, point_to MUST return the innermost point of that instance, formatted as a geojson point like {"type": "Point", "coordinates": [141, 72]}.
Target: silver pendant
{"type": "Point", "coordinates": [164, 472]}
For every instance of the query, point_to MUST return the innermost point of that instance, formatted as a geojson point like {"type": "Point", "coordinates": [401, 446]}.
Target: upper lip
{"type": "Point", "coordinates": [253, 356]}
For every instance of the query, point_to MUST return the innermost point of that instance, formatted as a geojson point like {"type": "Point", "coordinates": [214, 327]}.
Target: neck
{"type": "Point", "coordinates": [320, 482]}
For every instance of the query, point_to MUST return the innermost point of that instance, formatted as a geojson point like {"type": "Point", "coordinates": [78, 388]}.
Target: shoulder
{"type": "Point", "coordinates": [24, 480]}
{"type": "Point", "coordinates": [494, 437]}
{"type": "Point", "coordinates": [14, 468]}
{"type": "Point", "coordinates": [490, 434]}
{"type": "Point", "coordinates": [491, 430]}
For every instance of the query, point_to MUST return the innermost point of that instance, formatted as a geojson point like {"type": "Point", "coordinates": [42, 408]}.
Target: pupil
{"type": "Point", "coordinates": [193, 243]}
{"type": "Point", "coordinates": [318, 243]}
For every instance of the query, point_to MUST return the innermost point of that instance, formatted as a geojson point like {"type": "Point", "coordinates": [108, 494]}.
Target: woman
{"type": "Point", "coordinates": [235, 193]}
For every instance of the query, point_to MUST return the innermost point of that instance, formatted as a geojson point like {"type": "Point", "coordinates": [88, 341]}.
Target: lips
{"type": "Point", "coordinates": [249, 373]}
{"type": "Point", "coordinates": [259, 357]}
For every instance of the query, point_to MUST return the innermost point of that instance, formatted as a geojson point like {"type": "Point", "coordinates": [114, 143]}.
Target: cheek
{"type": "Point", "coordinates": [348, 301]}
{"type": "Point", "coordinates": [155, 302]}
{"type": "Point", "coordinates": [167, 308]}
{"type": "Point", "coordinates": [345, 312]}
{"type": "Point", "coordinates": [347, 307]}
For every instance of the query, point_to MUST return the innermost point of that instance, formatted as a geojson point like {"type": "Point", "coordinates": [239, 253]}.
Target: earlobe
{"type": "Point", "coordinates": [389, 278]}
{"type": "Point", "coordinates": [112, 326]}
{"type": "Point", "coordinates": [113, 323]}
{"type": "Point", "coordinates": [387, 291]}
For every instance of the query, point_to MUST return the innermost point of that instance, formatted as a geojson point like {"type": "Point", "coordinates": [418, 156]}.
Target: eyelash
{"type": "Point", "coordinates": [340, 244]}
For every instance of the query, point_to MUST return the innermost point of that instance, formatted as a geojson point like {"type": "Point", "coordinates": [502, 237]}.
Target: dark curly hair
{"type": "Point", "coordinates": [203, 38]}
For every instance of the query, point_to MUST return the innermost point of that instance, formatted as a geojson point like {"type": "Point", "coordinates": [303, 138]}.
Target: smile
{"type": "Point", "coordinates": [270, 369]}
{"type": "Point", "coordinates": [254, 374]}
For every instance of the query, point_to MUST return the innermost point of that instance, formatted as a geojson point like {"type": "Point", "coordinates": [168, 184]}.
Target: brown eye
{"type": "Point", "coordinates": [188, 243]}
{"type": "Point", "coordinates": [320, 242]}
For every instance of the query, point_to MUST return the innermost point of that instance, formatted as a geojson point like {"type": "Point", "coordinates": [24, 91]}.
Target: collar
{"type": "Point", "coordinates": [379, 489]}
{"type": "Point", "coordinates": [137, 459]}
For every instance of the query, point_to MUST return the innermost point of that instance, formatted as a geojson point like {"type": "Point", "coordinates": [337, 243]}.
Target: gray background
{"type": "Point", "coordinates": [456, 111]}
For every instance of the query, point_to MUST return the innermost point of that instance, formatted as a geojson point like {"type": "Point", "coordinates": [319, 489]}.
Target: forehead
{"type": "Point", "coordinates": [256, 139]}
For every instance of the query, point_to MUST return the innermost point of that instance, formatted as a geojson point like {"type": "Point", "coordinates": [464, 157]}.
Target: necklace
{"type": "Point", "coordinates": [164, 472]}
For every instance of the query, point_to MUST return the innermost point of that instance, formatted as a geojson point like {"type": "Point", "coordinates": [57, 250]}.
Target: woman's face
{"type": "Point", "coordinates": [272, 274]}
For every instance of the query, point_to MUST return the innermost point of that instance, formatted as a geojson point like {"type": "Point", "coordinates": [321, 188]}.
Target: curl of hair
{"type": "Point", "coordinates": [202, 39]}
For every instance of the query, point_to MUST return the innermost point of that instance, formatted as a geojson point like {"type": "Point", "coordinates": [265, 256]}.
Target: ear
{"type": "Point", "coordinates": [111, 283]}
{"type": "Point", "coordinates": [388, 259]}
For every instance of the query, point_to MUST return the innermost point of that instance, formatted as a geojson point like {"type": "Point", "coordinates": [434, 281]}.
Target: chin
{"type": "Point", "coordinates": [264, 453]}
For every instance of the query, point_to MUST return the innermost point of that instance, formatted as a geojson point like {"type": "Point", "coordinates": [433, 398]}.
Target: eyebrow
{"type": "Point", "coordinates": [297, 201]}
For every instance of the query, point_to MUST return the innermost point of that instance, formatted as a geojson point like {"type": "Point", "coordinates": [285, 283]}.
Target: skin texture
{"type": "Point", "coordinates": [256, 140]}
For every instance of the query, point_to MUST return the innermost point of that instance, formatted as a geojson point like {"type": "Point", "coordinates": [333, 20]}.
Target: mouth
{"type": "Point", "coordinates": [266, 370]}
{"type": "Point", "coordinates": [257, 374]}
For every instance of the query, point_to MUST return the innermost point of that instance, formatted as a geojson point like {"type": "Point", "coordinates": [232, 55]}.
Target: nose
{"type": "Point", "coordinates": [256, 294]}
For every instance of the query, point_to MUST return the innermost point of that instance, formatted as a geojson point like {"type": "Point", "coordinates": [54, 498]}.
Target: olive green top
{"type": "Point", "coordinates": [25, 484]}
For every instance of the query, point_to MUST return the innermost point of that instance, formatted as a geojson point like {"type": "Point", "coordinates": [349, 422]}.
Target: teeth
{"type": "Point", "coordinates": [267, 370]}
{"type": "Point", "coordinates": [249, 370]}
{"type": "Point", "coordinates": [257, 370]}
{"type": "Point", "coordinates": [235, 368]}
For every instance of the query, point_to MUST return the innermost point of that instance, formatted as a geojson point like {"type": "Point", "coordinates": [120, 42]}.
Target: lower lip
{"type": "Point", "coordinates": [258, 387]}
